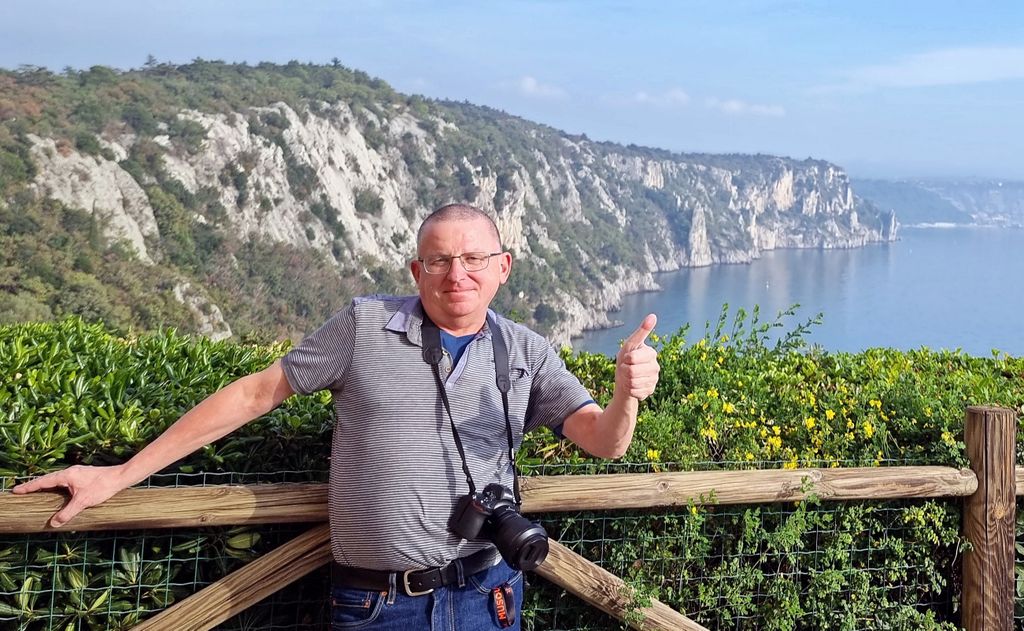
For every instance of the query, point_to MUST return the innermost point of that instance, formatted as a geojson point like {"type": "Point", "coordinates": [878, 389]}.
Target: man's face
{"type": "Point", "coordinates": [459, 299]}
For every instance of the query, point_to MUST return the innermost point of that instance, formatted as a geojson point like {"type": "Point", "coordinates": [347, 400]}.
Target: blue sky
{"type": "Point", "coordinates": [885, 89]}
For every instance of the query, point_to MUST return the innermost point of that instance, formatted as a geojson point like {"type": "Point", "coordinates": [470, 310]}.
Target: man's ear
{"type": "Point", "coordinates": [506, 265]}
{"type": "Point", "coordinates": [416, 270]}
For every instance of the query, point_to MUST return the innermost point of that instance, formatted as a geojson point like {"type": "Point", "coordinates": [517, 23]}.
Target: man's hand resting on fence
{"type": "Point", "coordinates": [216, 416]}
{"type": "Point", "coordinates": [88, 486]}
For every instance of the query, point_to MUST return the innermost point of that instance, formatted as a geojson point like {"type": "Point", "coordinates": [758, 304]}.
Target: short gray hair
{"type": "Point", "coordinates": [457, 212]}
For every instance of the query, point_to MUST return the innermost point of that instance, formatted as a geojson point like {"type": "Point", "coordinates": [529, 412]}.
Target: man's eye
{"type": "Point", "coordinates": [474, 259]}
{"type": "Point", "coordinates": [438, 260]}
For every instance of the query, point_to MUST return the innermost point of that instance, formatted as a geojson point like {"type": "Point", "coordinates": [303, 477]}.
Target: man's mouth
{"type": "Point", "coordinates": [458, 291]}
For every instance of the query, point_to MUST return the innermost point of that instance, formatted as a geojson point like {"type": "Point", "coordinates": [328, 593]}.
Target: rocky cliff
{"type": "Point", "coordinates": [587, 222]}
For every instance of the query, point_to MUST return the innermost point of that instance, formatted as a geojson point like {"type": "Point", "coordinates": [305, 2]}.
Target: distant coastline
{"type": "Point", "coordinates": [944, 225]}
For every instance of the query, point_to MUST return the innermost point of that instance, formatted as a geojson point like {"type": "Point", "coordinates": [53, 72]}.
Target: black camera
{"type": "Point", "coordinates": [492, 515]}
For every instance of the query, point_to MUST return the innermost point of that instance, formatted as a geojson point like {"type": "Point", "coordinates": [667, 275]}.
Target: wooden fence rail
{"type": "Point", "coordinates": [307, 503]}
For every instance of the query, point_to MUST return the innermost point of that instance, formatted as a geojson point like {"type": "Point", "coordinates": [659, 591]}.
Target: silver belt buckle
{"type": "Point", "coordinates": [408, 588]}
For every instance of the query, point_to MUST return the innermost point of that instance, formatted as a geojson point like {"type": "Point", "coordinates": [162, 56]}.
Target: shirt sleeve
{"type": "Point", "coordinates": [322, 359]}
{"type": "Point", "coordinates": [555, 393]}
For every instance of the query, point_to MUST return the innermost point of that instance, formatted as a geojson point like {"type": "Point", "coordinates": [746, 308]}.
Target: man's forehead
{"type": "Point", "coordinates": [458, 230]}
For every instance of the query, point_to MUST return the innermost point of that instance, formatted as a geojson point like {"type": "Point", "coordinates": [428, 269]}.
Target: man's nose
{"type": "Point", "coordinates": [456, 270]}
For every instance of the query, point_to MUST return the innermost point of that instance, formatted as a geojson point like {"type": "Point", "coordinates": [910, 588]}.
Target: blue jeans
{"type": "Point", "coordinates": [452, 608]}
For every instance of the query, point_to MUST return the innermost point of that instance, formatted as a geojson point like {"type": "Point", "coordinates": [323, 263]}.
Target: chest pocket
{"type": "Point", "coordinates": [519, 375]}
{"type": "Point", "coordinates": [521, 379]}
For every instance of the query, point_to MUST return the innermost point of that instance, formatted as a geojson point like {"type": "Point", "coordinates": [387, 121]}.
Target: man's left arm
{"type": "Point", "coordinates": [607, 433]}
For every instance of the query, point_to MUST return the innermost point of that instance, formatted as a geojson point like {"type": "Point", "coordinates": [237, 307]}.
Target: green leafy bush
{"type": "Point", "coordinates": [734, 398]}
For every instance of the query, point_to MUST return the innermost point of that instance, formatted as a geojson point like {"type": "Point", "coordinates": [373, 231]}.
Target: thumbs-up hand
{"type": "Point", "coordinates": [636, 365]}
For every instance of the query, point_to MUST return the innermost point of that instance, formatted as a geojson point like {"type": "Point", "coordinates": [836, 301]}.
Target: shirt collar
{"type": "Point", "coordinates": [409, 320]}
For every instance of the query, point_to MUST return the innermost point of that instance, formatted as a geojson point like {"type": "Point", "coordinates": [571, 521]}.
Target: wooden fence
{"type": "Point", "coordinates": [989, 488]}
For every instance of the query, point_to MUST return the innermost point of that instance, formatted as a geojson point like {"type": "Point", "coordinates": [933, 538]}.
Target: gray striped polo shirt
{"type": "Point", "coordinates": [395, 470]}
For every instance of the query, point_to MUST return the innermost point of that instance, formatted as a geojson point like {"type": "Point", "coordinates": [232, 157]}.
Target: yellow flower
{"type": "Point", "coordinates": [775, 442]}
{"type": "Point", "coordinates": [809, 422]}
{"type": "Point", "coordinates": [693, 509]}
{"type": "Point", "coordinates": [875, 403]}
{"type": "Point", "coordinates": [790, 465]}
{"type": "Point", "coordinates": [653, 454]}
{"type": "Point", "coordinates": [869, 429]}
{"type": "Point", "coordinates": [712, 393]}
{"type": "Point", "coordinates": [728, 408]}
{"type": "Point", "coordinates": [750, 456]}
{"type": "Point", "coordinates": [811, 399]}
{"type": "Point", "coordinates": [948, 439]}
{"type": "Point", "coordinates": [829, 414]}
{"type": "Point", "coordinates": [709, 433]}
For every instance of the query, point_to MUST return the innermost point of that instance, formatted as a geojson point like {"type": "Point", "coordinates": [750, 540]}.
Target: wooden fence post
{"type": "Point", "coordinates": [989, 517]}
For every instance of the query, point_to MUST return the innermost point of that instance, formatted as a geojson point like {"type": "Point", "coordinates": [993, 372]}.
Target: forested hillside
{"type": "Point", "coordinates": [253, 201]}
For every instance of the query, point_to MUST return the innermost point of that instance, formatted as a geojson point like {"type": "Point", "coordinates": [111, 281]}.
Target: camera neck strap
{"type": "Point", "coordinates": [432, 354]}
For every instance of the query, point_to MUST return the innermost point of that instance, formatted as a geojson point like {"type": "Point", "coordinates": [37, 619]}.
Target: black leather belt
{"type": "Point", "coordinates": [412, 582]}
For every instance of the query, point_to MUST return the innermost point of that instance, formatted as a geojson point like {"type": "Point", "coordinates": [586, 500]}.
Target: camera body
{"type": "Point", "coordinates": [492, 515]}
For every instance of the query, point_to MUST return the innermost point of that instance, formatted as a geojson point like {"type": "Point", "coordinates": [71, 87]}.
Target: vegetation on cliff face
{"type": "Point", "coordinates": [278, 191]}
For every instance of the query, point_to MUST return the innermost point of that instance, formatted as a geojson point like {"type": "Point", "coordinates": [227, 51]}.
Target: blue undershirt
{"type": "Point", "coordinates": [455, 346]}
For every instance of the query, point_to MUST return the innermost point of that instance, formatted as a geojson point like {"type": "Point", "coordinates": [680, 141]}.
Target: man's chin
{"type": "Point", "coordinates": [460, 308]}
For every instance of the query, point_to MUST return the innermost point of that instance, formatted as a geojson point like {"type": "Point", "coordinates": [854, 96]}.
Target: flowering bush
{"type": "Point", "coordinates": [737, 396]}
{"type": "Point", "coordinates": [732, 399]}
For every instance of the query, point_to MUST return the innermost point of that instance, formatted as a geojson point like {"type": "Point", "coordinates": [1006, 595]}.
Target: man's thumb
{"type": "Point", "coordinates": [638, 337]}
{"type": "Point", "coordinates": [65, 514]}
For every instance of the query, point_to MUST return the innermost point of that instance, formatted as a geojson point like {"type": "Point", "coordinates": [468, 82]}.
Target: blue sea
{"type": "Point", "coordinates": [954, 288]}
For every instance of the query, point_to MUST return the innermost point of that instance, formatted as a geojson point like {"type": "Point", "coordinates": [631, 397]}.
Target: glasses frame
{"type": "Point", "coordinates": [448, 268]}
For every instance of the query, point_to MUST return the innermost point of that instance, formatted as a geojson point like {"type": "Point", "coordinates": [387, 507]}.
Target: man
{"type": "Point", "coordinates": [409, 426]}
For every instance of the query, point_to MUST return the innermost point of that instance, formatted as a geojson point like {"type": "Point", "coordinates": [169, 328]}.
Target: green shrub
{"type": "Point", "coordinates": [368, 202]}
{"type": "Point", "coordinates": [87, 143]}
{"type": "Point", "coordinates": [734, 398]}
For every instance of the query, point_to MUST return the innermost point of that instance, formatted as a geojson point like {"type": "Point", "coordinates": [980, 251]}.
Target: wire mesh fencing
{"type": "Point", "coordinates": [793, 565]}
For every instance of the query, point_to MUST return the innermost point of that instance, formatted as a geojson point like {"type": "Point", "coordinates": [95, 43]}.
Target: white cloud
{"type": "Point", "coordinates": [531, 87]}
{"type": "Point", "coordinates": [951, 66]}
{"type": "Point", "coordinates": [671, 98]}
{"type": "Point", "coordinates": [737, 107]}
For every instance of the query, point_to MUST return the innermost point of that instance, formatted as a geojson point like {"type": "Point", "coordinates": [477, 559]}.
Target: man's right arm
{"type": "Point", "coordinates": [216, 416]}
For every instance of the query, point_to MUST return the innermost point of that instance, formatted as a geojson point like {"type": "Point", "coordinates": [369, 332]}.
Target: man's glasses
{"type": "Point", "coordinates": [471, 262]}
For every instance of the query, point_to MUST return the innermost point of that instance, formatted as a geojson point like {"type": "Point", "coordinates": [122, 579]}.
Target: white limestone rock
{"type": "Point", "coordinates": [207, 314]}
{"type": "Point", "coordinates": [96, 185]}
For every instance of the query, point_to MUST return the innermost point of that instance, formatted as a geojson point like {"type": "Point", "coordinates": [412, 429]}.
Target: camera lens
{"type": "Point", "coordinates": [522, 543]}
